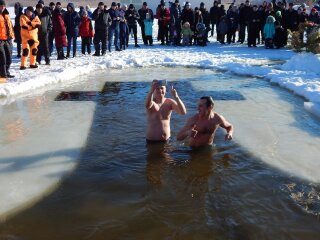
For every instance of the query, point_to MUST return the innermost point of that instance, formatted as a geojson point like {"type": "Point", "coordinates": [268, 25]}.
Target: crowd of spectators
{"type": "Point", "coordinates": [37, 31]}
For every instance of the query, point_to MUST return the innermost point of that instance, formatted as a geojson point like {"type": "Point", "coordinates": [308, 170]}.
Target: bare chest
{"type": "Point", "coordinates": [206, 126]}
{"type": "Point", "coordinates": [162, 112]}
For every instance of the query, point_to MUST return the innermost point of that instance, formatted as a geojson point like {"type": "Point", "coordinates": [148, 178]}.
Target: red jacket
{"type": "Point", "coordinates": [163, 15]}
{"type": "Point", "coordinates": [59, 29]}
{"type": "Point", "coordinates": [86, 29]}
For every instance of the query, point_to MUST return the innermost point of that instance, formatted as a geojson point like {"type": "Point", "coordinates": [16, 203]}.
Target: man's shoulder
{"type": "Point", "coordinates": [217, 117]}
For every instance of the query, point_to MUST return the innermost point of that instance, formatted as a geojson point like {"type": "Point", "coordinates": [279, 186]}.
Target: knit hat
{"type": "Point", "coordinates": [30, 9]}
{"type": "Point", "coordinates": [278, 13]}
{"type": "Point", "coordinates": [41, 2]}
{"type": "Point", "coordinates": [2, 3]}
{"type": "Point", "coordinates": [313, 10]}
{"type": "Point", "coordinates": [113, 4]}
{"type": "Point", "coordinates": [145, 4]}
{"type": "Point", "coordinates": [131, 6]}
{"type": "Point", "coordinates": [176, 1]}
{"type": "Point", "coordinates": [39, 5]}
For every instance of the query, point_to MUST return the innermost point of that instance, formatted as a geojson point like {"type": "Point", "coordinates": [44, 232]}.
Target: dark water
{"type": "Point", "coordinates": [125, 189]}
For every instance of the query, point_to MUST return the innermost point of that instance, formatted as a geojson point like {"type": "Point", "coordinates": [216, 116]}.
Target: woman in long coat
{"type": "Point", "coordinates": [59, 31]}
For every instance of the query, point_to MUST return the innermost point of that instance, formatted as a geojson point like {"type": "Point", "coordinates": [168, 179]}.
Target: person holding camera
{"type": "Point", "coordinates": [102, 21]}
{"type": "Point", "coordinates": [159, 109]}
{"type": "Point", "coordinates": [132, 17]}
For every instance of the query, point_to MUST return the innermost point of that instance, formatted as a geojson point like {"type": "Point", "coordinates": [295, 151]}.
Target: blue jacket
{"type": "Point", "coordinates": [114, 14]}
{"type": "Point", "coordinates": [269, 29]}
{"type": "Point", "coordinates": [72, 21]}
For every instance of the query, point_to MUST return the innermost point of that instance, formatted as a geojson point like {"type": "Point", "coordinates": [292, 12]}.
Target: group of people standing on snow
{"type": "Point", "coordinates": [36, 31]}
{"type": "Point", "coordinates": [267, 23]}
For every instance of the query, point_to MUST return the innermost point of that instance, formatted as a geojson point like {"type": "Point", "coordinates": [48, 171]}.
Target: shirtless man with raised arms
{"type": "Point", "coordinates": [202, 126]}
{"type": "Point", "coordinates": [159, 109]}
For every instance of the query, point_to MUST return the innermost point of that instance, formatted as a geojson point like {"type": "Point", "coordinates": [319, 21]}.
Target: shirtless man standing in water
{"type": "Point", "coordinates": [202, 126]}
{"type": "Point", "coordinates": [159, 109]}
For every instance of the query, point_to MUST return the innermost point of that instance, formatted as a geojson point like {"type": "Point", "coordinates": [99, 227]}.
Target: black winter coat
{"type": "Point", "coordinates": [72, 21]}
{"type": "Point", "coordinates": [46, 23]}
{"type": "Point", "coordinates": [254, 21]}
{"type": "Point", "coordinates": [233, 21]}
{"type": "Point", "coordinates": [187, 16]}
{"type": "Point", "coordinates": [102, 20]}
{"type": "Point", "coordinates": [215, 14]}
{"type": "Point", "coordinates": [132, 16]}
{"type": "Point", "coordinates": [16, 28]}
{"type": "Point", "coordinates": [244, 14]}
{"type": "Point", "coordinates": [205, 16]}
{"type": "Point", "coordinates": [175, 14]}
{"type": "Point", "coordinates": [291, 20]}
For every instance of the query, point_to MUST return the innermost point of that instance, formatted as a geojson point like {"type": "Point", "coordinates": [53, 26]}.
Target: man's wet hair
{"type": "Point", "coordinates": [209, 101]}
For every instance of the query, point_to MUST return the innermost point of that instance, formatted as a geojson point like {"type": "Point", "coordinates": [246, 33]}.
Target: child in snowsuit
{"type": "Point", "coordinates": [29, 23]}
{"type": "Point", "coordinates": [200, 34]}
{"type": "Point", "coordinates": [269, 31]}
{"type": "Point", "coordinates": [148, 23]}
{"type": "Point", "coordinates": [187, 34]}
{"type": "Point", "coordinates": [86, 33]}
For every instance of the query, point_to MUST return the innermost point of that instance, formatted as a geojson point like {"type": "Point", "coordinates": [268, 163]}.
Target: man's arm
{"type": "Point", "coordinates": [228, 126]}
{"type": "Point", "coordinates": [188, 130]}
{"type": "Point", "coordinates": [177, 105]}
{"type": "Point", "coordinates": [149, 98]}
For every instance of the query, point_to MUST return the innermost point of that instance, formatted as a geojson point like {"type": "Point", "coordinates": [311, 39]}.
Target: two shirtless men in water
{"type": "Point", "coordinates": [199, 129]}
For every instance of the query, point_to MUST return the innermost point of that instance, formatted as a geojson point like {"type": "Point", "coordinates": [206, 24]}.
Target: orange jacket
{"type": "Point", "coordinates": [29, 28]}
{"type": "Point", "coordinates": [5, 19]}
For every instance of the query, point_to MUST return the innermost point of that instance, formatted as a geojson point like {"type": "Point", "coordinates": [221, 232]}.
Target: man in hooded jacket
{"type": "Point", "coordinates": [43, 34]}
{"type": "Point", "coordinates": [72, 22]}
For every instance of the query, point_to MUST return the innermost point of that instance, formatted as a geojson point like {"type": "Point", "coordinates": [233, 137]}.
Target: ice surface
{"type": "Point", "coordinates": [37, 153]}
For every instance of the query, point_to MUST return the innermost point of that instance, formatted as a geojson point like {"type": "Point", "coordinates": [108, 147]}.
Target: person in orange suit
{"type": "Point", "coordinates": [6, 36]}
{"type": "Point", "coordinates": [29, 23]}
